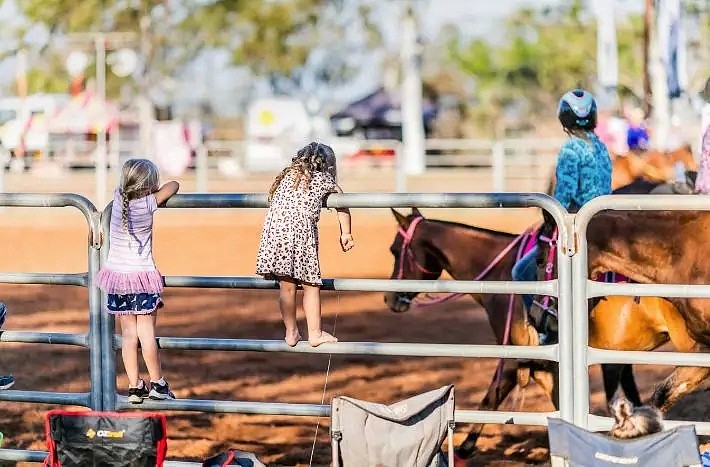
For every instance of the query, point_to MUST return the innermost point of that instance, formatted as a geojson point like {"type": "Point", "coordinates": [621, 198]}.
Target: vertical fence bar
{"type": "Point", "coordinates": [498, 162]}
{"type": "Point", "coordinates": [400, 173]}
{"type": "Point", "coordinates": [580, 332]}
{"type": "Point", "coordinates": [95, 327]}
{"type": "Point", "coordinates": [108, 353]}
{"type": "Point", "coordinates": [566, 381]}
{"type": "Point", "coordinates": [201, 168]}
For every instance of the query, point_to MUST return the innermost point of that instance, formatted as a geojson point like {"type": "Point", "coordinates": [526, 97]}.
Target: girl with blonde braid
{"type": "Point", "coordinates": [288, 250]}
{"type": "Point", "coordinates": [130, 278]}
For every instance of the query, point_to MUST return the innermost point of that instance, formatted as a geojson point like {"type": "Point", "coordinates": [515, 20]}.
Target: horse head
{"type": "Point", "coordinates": [414, 258]}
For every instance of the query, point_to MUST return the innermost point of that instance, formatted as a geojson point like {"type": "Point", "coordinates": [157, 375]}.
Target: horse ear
{"type": "Point", "coordinates": [401, 220]}
{"type": "Point", "coordinates": [416, 213]}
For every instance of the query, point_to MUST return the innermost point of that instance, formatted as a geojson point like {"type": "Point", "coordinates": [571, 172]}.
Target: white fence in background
{"type": "Point", "coordinates": [524, 164]}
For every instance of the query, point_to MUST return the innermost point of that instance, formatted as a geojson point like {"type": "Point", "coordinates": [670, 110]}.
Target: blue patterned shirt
{"type": "Point", "coordinates": [583, 172]}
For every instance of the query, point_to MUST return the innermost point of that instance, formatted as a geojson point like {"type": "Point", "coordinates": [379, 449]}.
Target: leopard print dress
{"type": "Point", "coordinates": [289, 239]}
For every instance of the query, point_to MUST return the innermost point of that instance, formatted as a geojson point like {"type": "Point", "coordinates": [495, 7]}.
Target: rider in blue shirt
{"type": "Point", "coordinates": [583, 168]}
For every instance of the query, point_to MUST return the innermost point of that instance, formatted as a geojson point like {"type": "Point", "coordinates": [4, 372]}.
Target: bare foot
{"type": "Point", "coordinates": [293, 338]}
{"type": "Point", "coordinates": [324, 338]}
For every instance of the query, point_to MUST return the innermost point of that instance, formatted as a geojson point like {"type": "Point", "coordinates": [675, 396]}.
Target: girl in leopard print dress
{"type": "Point", "coordinates": [288, 250]}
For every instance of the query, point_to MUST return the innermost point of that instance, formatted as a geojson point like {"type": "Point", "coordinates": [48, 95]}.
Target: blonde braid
{"type": "Point", "coordinates": [124, 210]}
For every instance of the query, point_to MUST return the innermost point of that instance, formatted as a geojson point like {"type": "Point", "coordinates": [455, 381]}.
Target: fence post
{"type": "Point", "coordinates": [201, 168]}
{"type": "Point", "coordinates": [566, 344]}
{"type": "Point", "coordinates": [498, 153]}
{"type": "Point", "coordinates": [108, 353]}
{"type": "Point", "coordinates": [400, 172]}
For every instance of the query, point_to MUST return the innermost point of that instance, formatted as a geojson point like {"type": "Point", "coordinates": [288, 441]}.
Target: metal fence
{"type": "Point", "coordinates": [90, 340]}
{"type": "Point", "coordinates": [571, 287]}
{"type": "Point", "coordinates": [112, 401]}
{"type": "Point", "coordinates": [584, 289]}
{"type": "Point", "coordinates": [515, 164]}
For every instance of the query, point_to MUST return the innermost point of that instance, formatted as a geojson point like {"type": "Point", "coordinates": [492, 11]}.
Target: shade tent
{"type": "Point", "coordinates": [378, 110]}
{"type": "Point", "coordinates": [85, 113]}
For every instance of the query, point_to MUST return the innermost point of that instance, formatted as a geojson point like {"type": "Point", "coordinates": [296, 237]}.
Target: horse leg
{"type": "Point", "coordinates": [611, 375]}
{"type": "Point", "coordinates": [615, 375]}
{"type": "Point", "coordinates": [628, 384]}
{"type": "Point", "coordinates": [546, 379]}
{"type": "Point", "coordinates": [491, 401]}
{"type": "Point", "coordinates": [683, 380]}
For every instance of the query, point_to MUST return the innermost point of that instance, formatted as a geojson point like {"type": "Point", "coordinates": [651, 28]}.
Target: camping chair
{"type": "Point", "coordinates": [407, 433]}
{"type": "Point", "coordinates": [572, 446]}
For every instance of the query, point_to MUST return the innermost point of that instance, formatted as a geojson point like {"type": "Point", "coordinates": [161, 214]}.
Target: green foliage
{"type": "Point", "coordinates": [546, 51]}
{"type": "Point", "coordinates": [272, 38]}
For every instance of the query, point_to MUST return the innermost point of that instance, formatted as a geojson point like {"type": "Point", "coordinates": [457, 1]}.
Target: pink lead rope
{"type": "Point", "coordinates": [524, 240]}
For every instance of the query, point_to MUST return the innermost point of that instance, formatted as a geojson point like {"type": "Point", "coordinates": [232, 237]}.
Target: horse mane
{"type": "Point", "coordinates": [473, 227]}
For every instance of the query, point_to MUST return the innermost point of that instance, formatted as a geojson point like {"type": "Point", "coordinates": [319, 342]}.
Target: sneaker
{"type": "Point", "coordinates": [136, 395]}
{"type": "Point", "coordinates": [6, 382]}
{"type": "Point", "coordinates": [160, 392]}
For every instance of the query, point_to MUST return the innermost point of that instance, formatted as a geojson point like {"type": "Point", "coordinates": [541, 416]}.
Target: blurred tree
{"type": "Point", "coordinates": [546, 52]}
{"type": "Point", "coordinates": [274, 39]}
{"type": "Point", "coordinates": [287, 40]}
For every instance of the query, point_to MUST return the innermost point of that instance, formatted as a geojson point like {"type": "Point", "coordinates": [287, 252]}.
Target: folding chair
{"type": "Point", "coordinates": [408, 433]}
{"type": "Point", "coordinates": [572, 446]}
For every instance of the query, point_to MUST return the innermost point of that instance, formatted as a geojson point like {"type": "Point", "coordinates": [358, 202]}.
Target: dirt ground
{"type": "Point", "coordinates": [224, 243]}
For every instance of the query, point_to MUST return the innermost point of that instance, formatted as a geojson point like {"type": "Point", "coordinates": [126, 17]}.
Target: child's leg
{"type": "Point", "coordinates": [311, 305]}
{"type": "Point", "coordinates": [129, 349]}
{"type": "Point", "coordinates": [149, 347]}
{"type": "Point", "coordinates": [287, 305]}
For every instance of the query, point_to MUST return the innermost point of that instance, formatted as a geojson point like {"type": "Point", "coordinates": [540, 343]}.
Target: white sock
{"type": "Point", "coordinates": [161, 381]}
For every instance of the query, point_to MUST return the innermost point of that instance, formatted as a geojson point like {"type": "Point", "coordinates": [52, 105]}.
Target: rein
{"type": "Point", "coordinates": [550, 265]}
{"type": "Point", "coordinates": [522, 240]}
{"type": "Point", "coordinates": [407, 254]}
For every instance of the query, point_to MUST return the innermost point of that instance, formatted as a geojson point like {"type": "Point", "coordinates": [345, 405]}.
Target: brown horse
{"type": "Point", "coordinates": [653, 166]}
{"type": "Point", "coordinates": [663, 248]}
{"type": "Point", "coordinates": [464, 251]}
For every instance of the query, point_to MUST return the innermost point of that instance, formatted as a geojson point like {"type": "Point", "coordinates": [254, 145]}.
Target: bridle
{"type": "Point", "coordinates": [406, 253]}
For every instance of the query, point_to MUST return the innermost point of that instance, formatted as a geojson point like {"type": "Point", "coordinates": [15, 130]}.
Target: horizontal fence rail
{"type": "Point", "coordinates": [390, 349]}
{"type": "Point", "coordinates": [32, 337]}
{"type": "Point", "coordinates": [79, 279]}
{"type": "Point", "coordinates": [583, 289]}
{"type": "Point", "coordinates": [374, 285]}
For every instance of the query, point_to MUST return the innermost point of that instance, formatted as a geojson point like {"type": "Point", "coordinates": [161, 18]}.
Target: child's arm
{"type": "Point", "coordinates": [166, 192]}
{"type": "Point", "coordinates": [346, 236]}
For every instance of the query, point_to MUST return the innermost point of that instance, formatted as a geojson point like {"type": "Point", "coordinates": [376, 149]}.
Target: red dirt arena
{"type": "Point", "coordinates": [224, 242]}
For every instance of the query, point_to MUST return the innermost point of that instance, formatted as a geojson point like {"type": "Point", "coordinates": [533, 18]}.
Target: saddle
{"type": "Point", "coordinates": [543, 312]}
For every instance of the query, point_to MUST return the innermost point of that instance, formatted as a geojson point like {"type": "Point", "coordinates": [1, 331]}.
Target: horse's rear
{"type": "Point", "coordinates": [621, 323]}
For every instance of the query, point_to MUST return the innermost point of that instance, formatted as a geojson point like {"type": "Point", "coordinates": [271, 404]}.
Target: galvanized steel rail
{"type": "Point", "coordinates": [561, 351]}
{"type": "Point", "coordinates": [571, 287]}
{"type": "Point", "coordinates": [583, 289]}
{"type": "Point", "coordinates": [91, 340]}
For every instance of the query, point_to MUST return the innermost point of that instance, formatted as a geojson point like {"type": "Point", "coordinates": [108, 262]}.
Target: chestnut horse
{"type": "Point", "coordinates": [423, 248]}
{"type": "Point", "coordinates": [663, 248]}
{"type": "Point", "coordinates": [653, 166]}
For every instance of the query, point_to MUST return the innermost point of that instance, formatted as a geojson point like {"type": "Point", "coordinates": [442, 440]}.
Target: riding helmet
{"type": "Point", "coordinates": [578, 109]}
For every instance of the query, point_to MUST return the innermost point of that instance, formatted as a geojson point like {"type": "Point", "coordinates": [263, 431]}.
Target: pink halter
{"type": "Point", "coordinates": [406, 251]}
